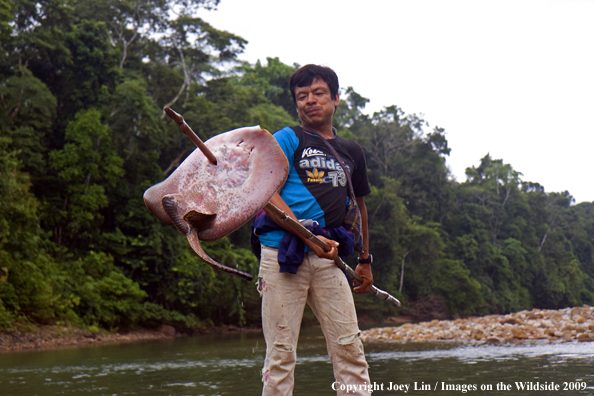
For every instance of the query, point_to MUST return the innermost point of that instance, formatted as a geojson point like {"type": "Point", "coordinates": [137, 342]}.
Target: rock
{"type": "Point", "coordinates": [534, 314]}
{"type": "Point", "coordinates": [546, 323]}
{"type": "Point", "coordinates": [519, 333]}
{"type": "Point", "coordinates": [575, 311]}
{"type": "Point", "coordinates": [478, 334]}
{"type": "Point", "coordinates": [584, 337]}
{"type": "Point", "coordinates": [167, 330]}
{"type": "Point", "coordinates": [510, 320]}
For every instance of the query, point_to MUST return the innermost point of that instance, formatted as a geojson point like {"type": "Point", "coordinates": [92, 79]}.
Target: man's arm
{"type": "Point", "coordinates": [364, 229]}
{"type": "Point", "coordinates": [280, 203]}
{"type": "Point", "coordinates": [364, 270]}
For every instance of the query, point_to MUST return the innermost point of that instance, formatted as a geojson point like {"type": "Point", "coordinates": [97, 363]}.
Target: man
{"type": "Point", "coordinates": [317, 189]}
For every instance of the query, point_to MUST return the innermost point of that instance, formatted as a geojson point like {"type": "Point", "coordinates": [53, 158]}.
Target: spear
{"type": "Point", "coordinates": [279, 214]}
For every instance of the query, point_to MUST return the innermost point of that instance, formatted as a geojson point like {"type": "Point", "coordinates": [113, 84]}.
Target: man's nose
{"type": "Point", "coordinates": [311, 98]}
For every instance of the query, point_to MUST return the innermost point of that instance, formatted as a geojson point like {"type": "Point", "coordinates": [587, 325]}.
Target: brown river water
{"type": "Point", "coordinates": [230, 365]}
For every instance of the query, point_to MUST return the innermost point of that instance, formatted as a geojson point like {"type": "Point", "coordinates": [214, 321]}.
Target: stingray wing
{"type": "Point", "coordinates": [206, 201]}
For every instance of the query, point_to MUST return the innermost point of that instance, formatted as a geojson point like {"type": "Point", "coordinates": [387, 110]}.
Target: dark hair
{"type": "Point", "coordinates": [306, 75]}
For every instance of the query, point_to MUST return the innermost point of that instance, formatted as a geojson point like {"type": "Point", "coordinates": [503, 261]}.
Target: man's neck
{"type": "Point", "coordinates": [324, 131]}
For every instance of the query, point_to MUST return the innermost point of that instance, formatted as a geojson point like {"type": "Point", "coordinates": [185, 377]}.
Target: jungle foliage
{"type": "Point", "coordinates": [83, 135]}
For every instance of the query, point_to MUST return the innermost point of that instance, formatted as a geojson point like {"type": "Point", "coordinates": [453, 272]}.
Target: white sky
{"type": "Point", "coordinates": [513, 78]}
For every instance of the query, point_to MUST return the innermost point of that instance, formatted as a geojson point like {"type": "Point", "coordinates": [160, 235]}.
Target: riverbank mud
{"type": "Point", "coordinates": [37, 337]}
{"type": "Point", "coordinates": [54, 336]}
{"type": "Point", "coordinates": [563, 325]}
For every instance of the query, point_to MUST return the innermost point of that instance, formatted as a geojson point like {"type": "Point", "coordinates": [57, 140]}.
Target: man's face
{"type": "Point", "coordinates": [315, 105]}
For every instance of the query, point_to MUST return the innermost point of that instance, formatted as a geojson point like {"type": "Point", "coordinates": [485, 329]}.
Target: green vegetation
{"type": "Point", "coordinates": [82, 136]}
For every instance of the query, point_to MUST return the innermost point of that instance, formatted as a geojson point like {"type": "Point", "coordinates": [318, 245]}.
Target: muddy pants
{"type": "Point", "coordinates": [325, 288]}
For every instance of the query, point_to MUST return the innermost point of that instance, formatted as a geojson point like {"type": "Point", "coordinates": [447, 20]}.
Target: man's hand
{"type": "Point", "coordinates": [364, 272]}
{"type": "Point", "coordinates": [330, 254]}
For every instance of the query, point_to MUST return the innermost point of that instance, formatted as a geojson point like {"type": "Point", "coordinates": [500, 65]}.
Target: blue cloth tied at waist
{"type": "Point", "coordinates": [291, 249]}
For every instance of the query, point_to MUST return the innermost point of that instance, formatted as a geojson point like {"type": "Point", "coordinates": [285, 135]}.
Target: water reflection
{"type": "Point", "coordinates": [231, 364]}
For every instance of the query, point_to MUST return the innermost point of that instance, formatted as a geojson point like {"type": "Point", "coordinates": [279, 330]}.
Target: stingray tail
{"type": "Point", "coordinates": [195, 244]}
{"type": "Point", "coordinates": [170, 206]}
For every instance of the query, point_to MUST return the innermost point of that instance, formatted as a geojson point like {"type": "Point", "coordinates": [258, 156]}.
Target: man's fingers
{"type": "Point", "coordinates": [329, 242]}
{"type": "Point", "coordinates": [330, 254]}
{"type": "Point", "coordinates": [327, 254]}
{"type": "Point", "coordinates": [365, 286]}
{"type": "Point", "coordinates": [364, 272]}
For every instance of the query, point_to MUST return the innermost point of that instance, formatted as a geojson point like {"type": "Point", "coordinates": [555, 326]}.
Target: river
{"type": "Point", "coordinates": [230, 364]}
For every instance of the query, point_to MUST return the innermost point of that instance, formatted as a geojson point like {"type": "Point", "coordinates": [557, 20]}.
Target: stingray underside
{"type": "Point", "coordinates": [207, 202]}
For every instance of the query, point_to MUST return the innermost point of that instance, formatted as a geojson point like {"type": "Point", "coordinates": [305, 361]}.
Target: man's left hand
{"type": "Point", "coordinates": [364, 272]}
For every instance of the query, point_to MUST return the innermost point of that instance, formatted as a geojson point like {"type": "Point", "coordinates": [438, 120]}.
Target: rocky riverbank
{"type": "Point", "coordinates": [564, 325]}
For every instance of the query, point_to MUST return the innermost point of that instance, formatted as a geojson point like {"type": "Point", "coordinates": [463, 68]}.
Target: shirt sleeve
{"type": "Point", "coordinates": [288, 142]}
{"type": "Point", "coordinates": [360, 182]}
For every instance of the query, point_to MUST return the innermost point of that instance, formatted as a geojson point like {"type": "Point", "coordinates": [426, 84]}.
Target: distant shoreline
{"type": "Point", "coordinates": [563, 325]}
{"type": "Point", "coordinates": [48, 337]}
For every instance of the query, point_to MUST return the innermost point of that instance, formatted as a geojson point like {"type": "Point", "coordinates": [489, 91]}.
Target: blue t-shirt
{"type": "Point", "coordinates": [316, 187]}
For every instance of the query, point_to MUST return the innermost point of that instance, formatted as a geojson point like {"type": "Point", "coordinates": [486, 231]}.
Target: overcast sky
{"type": "Point", "coordinates": [512, 78]}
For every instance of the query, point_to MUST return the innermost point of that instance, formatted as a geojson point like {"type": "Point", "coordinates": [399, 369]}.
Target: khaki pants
{"type": "Point", "coordinates": [325, 288]}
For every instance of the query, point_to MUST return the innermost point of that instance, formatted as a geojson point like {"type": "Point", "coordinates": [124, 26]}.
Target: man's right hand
{"type": "Point", "coordinates": [277, 201]}
{"type": "Point", "coordinates": [321, 253]}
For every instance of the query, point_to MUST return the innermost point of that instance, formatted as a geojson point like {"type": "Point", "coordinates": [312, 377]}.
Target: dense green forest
{"type": "Point", "coordinates": [83, 135]}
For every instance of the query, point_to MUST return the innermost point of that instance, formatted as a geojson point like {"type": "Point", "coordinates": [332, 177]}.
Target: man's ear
{"type": "Point", "coordinates": [336, 101]}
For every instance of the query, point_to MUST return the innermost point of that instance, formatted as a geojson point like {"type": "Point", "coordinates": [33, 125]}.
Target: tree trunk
{"type": "Point", "coordinates": [402, 272]}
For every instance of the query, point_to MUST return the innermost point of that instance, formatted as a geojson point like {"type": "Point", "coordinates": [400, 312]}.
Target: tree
{"type": "Point", "coordinates": [398, 147]}
{"type": "Point", "coordinates": [87, 167]}
{"type": "Point", "coordinates": [26, 269]}
{"type": "Point", "coordinates": [273, 81]}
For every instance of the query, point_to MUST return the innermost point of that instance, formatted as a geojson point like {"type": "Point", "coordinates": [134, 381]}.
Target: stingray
{"type": "Point", "coordinates": [220, 186]}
